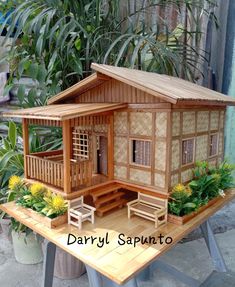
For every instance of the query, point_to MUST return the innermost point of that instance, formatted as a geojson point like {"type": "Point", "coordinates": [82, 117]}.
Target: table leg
{"type": "Point", "coordinates": [213, 247]}
{"type": "Point", "coordinates": [146, 274]}
{"type": "Point", "coordinates": [98, 280]}
{"type": "Point", "coordinates": [48, 266]}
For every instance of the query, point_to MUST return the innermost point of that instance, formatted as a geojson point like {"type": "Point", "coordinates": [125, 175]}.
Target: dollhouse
{"type": "Point", "coordinates": [125, 130]}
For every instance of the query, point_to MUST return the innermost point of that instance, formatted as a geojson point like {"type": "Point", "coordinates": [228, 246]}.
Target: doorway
{"type": "Point", "coordinates": [102, 155]}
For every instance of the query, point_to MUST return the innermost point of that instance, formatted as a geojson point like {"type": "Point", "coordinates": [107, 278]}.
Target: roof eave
{"type": "Point", "coordinates": [204, 102]}
{"type": "Point", "coordinates": [91, 81]}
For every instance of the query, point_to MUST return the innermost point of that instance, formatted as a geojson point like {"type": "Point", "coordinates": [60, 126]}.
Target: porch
{"type": "Point", "coordinates": [48, 167]}
{"type": "Point", "coordinates": [86, 157]}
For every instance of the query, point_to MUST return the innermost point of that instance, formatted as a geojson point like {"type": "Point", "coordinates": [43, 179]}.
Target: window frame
{"type": "Point", "coordinates": [193, 151]}
{"type": "Point", "coordinates": [80, 155]}
{"type": "Point", "coordinates": [210, 144]}
{"type": "Point", "coordinates": [131, 145]}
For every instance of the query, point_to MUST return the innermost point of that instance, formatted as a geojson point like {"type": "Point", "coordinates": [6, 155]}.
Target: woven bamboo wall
{"type": "Point", "coordinates": [116, 92]}
{"type": "Point", "coordinates": [145, 125]}
{"type": "Point", "coordinates": [198, 124]}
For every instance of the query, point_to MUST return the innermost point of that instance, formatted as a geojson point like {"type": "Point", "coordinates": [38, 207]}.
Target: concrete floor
{"type": "Point", "coordinates": [191, 257]}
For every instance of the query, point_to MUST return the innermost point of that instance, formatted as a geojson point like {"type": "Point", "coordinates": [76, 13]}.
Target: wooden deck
{"type": "Point", "coordinates": [118, 262]}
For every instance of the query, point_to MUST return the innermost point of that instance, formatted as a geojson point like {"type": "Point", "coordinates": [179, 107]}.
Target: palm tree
{"type": "Point", "coordinates": [54, 41]}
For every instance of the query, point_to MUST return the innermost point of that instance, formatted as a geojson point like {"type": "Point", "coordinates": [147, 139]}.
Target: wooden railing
{"type": "Point", "coordinates": [81, 173]}
{"type": "Point", "coordinates": [52, 172]}
{"type": "Point", "coordinates": [47, 171]}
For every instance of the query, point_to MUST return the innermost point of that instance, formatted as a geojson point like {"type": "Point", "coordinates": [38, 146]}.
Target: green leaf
{"type": "Point", "coordinates": [7, 89]}
{"type": "Point", "coordinates": [78, 44]}
{"type": "Point", "coordinates": [42, 74]}
{"type": "Point", "coordinates": [6, 144]}
{"type": "Point", "coordinates": [5, 159]}
{"type": "Point", "coordinates": [21, 93]}
{"type": "Point", "coordinates": [12, 134]}
{"type": "Point", "coordinates": [76, 65]}
{"type": "Point", "coordinates": [11, 196]}
{"type": "Point", "coordinates": [33, 71]}
{"type": "Point", "coordinates": [189, 205]}
{"type": "Point", "coordinates": [32, 96]}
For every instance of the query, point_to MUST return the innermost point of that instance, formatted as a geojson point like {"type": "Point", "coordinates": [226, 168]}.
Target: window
{"type": "Point", "coordinates": [141, 152]}
{"type": "Point", "coordinates": [80, 144]}
{"type": "Point", "coordinates": [213, 149]}
{"type": "Point", "coordinates": [187, 151]}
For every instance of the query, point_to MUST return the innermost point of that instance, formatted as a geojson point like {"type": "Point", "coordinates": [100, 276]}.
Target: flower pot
{"type": "Point", "coordinates": [5, 226]}
{"type": "Point", "coordinates": [66, 266]}
{"type": "Point", "coordinates": [180, 220]}
{"type": "Point", "coordinates": [27, 249]}
{"type": "Point", "coordinates": [48, 222]}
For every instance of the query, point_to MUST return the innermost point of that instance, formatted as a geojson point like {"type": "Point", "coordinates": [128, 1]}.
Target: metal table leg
{"type": "Point", "coordinates": [48, 265]}
{"type": "Point", "coordinates": [98, 280]}
{"type": "Point", "coordinates": [215, 254]}
{"type": "Point", "coordinates": [213, 247]}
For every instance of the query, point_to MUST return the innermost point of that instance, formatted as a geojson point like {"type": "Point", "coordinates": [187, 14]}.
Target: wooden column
{"type": "Point", "coordinates": [67, 154]}
{"type": "Point", "coordinates": [111, 147]}
{"type": "Point", "coordinates": [25, 131]}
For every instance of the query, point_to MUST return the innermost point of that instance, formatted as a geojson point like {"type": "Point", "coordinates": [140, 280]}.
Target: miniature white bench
{"type": "Point", "coordinates": [78, 212]}
{"type": "Point", "coordinates": [149, 207]}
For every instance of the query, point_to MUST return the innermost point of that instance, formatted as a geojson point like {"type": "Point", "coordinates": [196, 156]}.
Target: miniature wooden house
{"type": "Point", "coordinates": [129, 129]}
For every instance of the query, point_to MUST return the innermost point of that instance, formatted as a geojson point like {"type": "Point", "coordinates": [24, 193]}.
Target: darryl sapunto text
{"type": "Point", "coordinates": [121, 239]}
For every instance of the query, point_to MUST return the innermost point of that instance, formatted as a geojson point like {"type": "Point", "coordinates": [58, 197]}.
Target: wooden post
{"type": "Point", "coordinates": [111, 147]}
{"type": "Point", "coordinates": [25, 131]}
{"type": "Point", "coordinates": [67, 155]}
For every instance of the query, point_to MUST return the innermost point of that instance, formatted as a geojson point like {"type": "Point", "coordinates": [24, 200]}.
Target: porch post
{"type": "Point", "coordinates": [25, 131]}
{"type": "Point", "coordinates": [67, 154]}
{"type": "Point", "coordinates": [111, 147]}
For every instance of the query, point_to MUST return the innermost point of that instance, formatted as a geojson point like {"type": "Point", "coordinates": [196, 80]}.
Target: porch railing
{"type": "Point", "coordinates": [52, 171]}
{"type": "Point", "coordinates": [81, 173]}
{"type": "Point", "coordinates": [47, 171]}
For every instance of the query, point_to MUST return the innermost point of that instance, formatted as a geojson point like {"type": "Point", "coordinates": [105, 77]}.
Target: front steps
{"type": "Point", "coordinates": [107, 198]}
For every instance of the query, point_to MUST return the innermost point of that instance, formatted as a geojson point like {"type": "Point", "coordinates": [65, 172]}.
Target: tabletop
{"type": "Point", "coordinates": [111, 245]}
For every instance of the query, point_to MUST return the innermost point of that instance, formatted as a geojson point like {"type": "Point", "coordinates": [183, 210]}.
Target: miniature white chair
{"type": "Point", "coordinates": [78, 212]}
{"type": "Point", "coordinates": [149, 207]}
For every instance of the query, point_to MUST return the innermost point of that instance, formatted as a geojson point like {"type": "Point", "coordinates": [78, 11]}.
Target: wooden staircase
{"type": "Point", "coordinates": [107, 198]}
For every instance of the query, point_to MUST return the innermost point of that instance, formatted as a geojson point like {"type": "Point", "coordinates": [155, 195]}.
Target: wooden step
{"type": "Point", "coordinates": [119, 203]}
{"type": "Point", "coordinates": [107, 198]}
{"type": "Point", "coordinates": [103, 191]}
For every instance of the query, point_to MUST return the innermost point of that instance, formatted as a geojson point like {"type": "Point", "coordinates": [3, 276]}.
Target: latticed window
{"type": "Point", "coordinates": [187, 151]}
{"type": "Point", "coordinates": [141, 152]}
{"type": "Point", "coordinates": [81, 148]}
{"type": "Point", "coordinates": [213, 145]}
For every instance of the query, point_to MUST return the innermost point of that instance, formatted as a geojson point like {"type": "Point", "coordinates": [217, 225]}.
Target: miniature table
{"type": "Point", "coordinates": [115, 264]}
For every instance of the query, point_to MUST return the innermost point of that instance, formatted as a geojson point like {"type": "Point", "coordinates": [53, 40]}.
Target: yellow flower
{"type": "Point", "coordinates": [58, 203]}
{"type": "Point", "coordinates": [179, 188]}
{"type": "Point", "coordinates": [37, 189]}
{"type": "Point", "coordinates": [14, 182]}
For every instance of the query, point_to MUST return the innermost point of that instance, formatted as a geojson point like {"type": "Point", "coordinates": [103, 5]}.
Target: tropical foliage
{"type": "Point", "coordinates": [11, 148]}
{"type": "Point", "coordinates": [37, 197]}
{"type": "Point", "coordinates": [208, 182]}
{"type": "Point", "coordinates": [54, 42]}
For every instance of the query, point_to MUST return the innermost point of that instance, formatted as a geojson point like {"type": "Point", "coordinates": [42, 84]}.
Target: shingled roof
{"type": "Point", "coordinates": [170, 89]}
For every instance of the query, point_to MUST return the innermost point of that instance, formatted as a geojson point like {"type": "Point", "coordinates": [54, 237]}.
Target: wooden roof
{"type": "Point", "coordinates": [170, 89]}
{"type": "Point", "coordinates": [64, 111]}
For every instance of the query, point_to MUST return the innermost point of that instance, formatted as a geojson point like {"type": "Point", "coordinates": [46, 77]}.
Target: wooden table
{"type": "Point", "coordinates": [115, 263]}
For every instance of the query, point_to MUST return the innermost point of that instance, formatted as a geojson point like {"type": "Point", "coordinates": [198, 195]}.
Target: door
{"type": "Point", "coordinates": [102, 156]}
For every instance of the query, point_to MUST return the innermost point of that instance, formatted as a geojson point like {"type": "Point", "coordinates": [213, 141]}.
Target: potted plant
{"type": "Point", "coordinates": [26, 245]}
{"type": "Point", "coordinates": [42, 205]}
{"type": "Point", "coordinates": [205, 189]}
{"type": "Point", "coordinates": [51, 210]}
